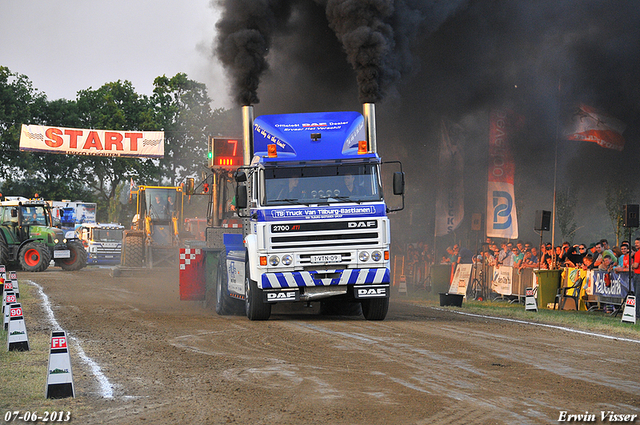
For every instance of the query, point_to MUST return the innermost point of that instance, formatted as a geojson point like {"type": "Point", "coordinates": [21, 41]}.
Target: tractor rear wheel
{"type": "Point", "coordinates": [4, 251]}
{"type": "Point", "coordinates": [34, 257]}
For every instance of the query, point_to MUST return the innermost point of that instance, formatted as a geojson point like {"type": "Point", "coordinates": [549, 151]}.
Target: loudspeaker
{"type": "Point", "coordinates": [543, 220]}
{"type": "Point", "coordinates": [630, 215]}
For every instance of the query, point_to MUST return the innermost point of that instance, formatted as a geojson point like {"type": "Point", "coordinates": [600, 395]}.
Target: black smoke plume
{"type": "Point", "coordinates": [244, 38]}
{"type": "Point", "coordinates": [375, 35]}
{"type": "Point", "coordinates": [425, 60]}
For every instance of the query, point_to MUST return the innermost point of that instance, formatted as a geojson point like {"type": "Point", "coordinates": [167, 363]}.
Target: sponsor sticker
{"type": "Point", "coordinates": [277, 296]}
{"type": "Point", "coordinates": [371, 291]}
{"type": "Point", "coordinates": [58, 342]}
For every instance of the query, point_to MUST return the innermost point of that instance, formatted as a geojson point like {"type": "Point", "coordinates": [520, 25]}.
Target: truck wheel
{"type": "Point", "coordinates": [34, 257]}
{"type": "Point", "coordinates": [78, 258]}
{"type": "Point", "coordinates": [255, 307]}
{"type": "Point", "coordinates": [133, 250]}
{"type": "Point", "coordinates": [4, 251]}
{"type": "Point", "coordinates": [225, 304]}
{"type": "Point", "coordinates": [375, 308]}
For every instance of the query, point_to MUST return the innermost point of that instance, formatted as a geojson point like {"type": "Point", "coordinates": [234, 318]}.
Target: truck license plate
{"type": "Point", "coordinates": [62, 253]}
{"type": "Point", "coordinates": [326, 258]}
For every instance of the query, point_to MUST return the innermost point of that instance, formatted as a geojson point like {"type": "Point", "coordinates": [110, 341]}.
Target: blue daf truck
{"type": "Point", "coordinates": [315, 225]}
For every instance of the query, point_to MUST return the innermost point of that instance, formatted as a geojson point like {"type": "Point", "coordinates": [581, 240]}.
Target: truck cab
{"type": "Point", "coordinates": [316, 219]}
{"type": "Point", "coordinates": [103, 242]}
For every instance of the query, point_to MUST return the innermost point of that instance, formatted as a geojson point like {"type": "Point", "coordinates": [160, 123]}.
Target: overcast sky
{"type": "Point", "coordinates": [64, 46]}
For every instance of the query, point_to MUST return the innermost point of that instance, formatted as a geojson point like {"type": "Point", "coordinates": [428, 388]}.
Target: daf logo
{"type": "Point", "coordinates": [368, 292]}
{"type": "Point", "coordinates": [366, 224]}
{"type": "Point", "coordinates": [281, 296]}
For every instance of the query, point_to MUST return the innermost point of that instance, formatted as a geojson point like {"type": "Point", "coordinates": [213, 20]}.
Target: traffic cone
{"type": "Point", "coordinates": [13, 278]}
{"type": "Point", "coordinates": [3, 272]}
{"type": "Point", "coordinates": [59, 375]}
{"type": "Point", "coordinates": [17, 339]}
{"type": "Point", "coordinates": [629, 313]}
{"type": "Point", "coordinates": [7, 285]}
{"type": "Point", "coordinates": [530, 303]}
{"type": "Point", "coordinates": [402, 287]}
{"type": "Point", "coordinates": [8, 298]}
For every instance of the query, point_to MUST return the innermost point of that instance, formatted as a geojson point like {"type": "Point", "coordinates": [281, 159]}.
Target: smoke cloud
{"type": "Point", "coordinates": [374, 34]}
{"type": "Point", "coordinates": [425, 60]}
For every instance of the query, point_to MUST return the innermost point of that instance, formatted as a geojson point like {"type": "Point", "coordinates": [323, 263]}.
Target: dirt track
{"type": "Point", "coordinates": [172, 361]}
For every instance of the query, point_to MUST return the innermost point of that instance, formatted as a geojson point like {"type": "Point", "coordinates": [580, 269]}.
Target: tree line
{"type": "Point", "coordinates": [178, 106]}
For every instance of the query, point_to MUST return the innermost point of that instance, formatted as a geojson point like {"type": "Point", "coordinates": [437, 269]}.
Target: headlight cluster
{"type": "Point", "coordinates": [286, 260]}
{"type": "Point", "coordinates": [376, 256]}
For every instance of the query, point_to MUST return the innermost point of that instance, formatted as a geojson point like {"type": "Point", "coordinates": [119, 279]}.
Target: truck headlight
{"type": "Point", "coordinates": [364, 256]}
{"type": "Point", "coordinates": [274, 260]}
{"type": "Point", "coordinates": [287, 259]}
{"type": "Point", "coordinates": [376, 255]}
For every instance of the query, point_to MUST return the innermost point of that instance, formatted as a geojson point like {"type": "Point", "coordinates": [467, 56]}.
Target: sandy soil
{"type": "Point", "coordinates": [171, 361]}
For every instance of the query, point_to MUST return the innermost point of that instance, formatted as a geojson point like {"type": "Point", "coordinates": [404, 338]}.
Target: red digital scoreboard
{"type": "Point", "coordinates": [225, 153]}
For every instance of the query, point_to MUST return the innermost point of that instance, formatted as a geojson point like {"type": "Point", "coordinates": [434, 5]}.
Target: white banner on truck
{"type": "Point", "coordinates": [75, 141]}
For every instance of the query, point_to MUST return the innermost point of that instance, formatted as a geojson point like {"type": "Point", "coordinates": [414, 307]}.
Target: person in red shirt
{"type": "Point", "coordinates": [636, 272]}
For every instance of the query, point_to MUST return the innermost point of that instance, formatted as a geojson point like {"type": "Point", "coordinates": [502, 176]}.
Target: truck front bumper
{"type": "Point", "coordinates": [325, 278]}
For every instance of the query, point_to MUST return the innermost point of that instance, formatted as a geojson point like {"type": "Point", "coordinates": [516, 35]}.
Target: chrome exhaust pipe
{"type": "Point", "coordinates": [247, 133]}
{"type": "Point", "coordinates": [369, 112]}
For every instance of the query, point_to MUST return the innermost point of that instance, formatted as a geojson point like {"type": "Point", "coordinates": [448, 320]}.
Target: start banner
{"type": "Point", "coordinates": [75, 141]}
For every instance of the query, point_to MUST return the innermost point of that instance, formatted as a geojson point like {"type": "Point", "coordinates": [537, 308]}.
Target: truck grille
{"type": "Point", "coordinates": [324, 235]}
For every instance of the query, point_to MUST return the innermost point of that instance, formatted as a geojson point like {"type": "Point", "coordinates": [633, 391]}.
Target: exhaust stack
{"type": "Point", "coordinates": [247, 133]}
{"type": "Point", "coordinates": [369, 112]}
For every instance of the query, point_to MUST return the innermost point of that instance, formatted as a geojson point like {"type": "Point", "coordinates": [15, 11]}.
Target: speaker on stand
{"type": "Point", "coordinates": [542, 223]}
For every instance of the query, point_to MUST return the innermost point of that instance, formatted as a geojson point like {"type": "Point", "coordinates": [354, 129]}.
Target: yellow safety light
{"type": "Point", "coordinates": [271, 151]}
{"type": "Point", "coordinates": [362, 147]}
{"type": "Point", "coordinates": [263, 261]}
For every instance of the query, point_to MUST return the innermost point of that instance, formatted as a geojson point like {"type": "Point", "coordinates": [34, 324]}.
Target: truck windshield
{"type": "Point", "coordinates": [34, 215]}
{"type": "Point", "coordinates": [107, 235]}
{"type": "Point", "coordinates": [334, 183]}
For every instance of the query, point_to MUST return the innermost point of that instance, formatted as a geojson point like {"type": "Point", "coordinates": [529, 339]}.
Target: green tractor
{"type": "Point", "coordinates": [28, 238]}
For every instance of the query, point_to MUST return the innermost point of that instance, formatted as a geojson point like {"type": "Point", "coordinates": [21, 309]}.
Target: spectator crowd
{"type": "Point", "coordinates": [522, 255]}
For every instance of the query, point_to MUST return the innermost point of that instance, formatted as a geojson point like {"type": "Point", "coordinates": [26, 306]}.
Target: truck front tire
{"type": "Point", "coordinates": [255, 307]}
{"type": "Point", "coordinates": [375, 308]}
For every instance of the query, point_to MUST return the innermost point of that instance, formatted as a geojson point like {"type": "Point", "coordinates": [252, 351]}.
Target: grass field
{"type": "Point", "coordinates": [24, 373]}
{"type": "Point", "coordinates": [590, 321]}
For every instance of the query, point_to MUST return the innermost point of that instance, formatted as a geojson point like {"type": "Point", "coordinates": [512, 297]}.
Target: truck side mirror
{"type": "Point", "coordinates": [241, 197]}
{"type": "Point", "coordinates": [14, 213]}
{"type": "Point", "coordinates": [398, 183]}
{"type": "Point", "coordinates": [240, 176]}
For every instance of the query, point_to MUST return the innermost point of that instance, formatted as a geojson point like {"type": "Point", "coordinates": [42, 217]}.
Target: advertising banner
{"type": "Point", "coordinates": [75, 141]}
{"type": "Point", "coordinates": [610, 284]}
{"type": "Point", "coordinates": [590, 125]}
{"type": "Point", "coordinates": [502, 221]}
{"type": "Point", "coordinates": [501, 282]}
{"type": "Point", "coordinates": [450, 191]}
{"type": "Point", "coordinates": [461, 279]}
